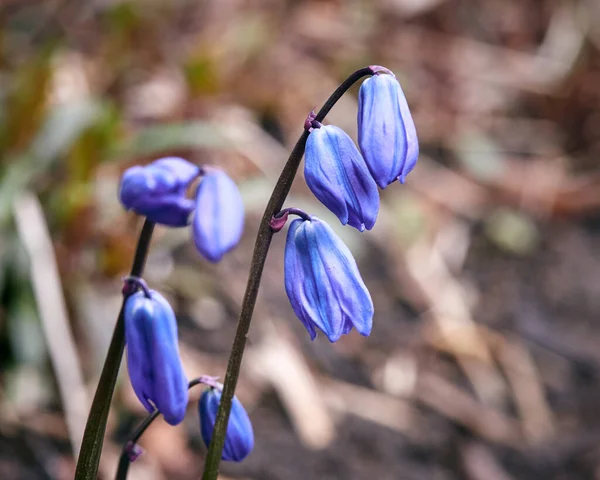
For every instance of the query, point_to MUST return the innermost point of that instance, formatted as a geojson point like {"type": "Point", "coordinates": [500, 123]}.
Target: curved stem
{"type": "Point", "coordinates": [292, 211]}
{"type": "Point", "coordinates": [279, 220]}
{"type": "Point", "coordinates": [261, 248]}
{"type": "Point", "coordinates": [133, 284]}
{"type": "Point", "coordinates": [93, 437]}
{"type": "Point", "coordinates": [131, 451]}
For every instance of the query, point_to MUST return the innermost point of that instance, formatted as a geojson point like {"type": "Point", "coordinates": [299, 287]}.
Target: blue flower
{"type": "Point", "coordinates": [153, 360]}
{"type": "Point", "coordinates": [338, 176]}
{"type": "Point", "coordinates": [239, 438]}
{"type": "Point", "coordinates": [219, 219]}
{"type": "Point", "coordinates": [323, 283]}
{"type": "Point", "coordinates": [158, 190]}
{"type": "Point", "coordinates": [386, 131]}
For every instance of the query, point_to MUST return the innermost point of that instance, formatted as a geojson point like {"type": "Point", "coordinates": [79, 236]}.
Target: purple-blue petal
{"type": "Point", "coordinates": [386, 131]}
{"type": "Point", "coordinates": [158, 190]}
{"type": "Point", "coordinates": [239, 437]}
{"type": "Point", "coordinates": [338, 176]}
{"type": "Point", "coordinates": [181, 170]}
{"type": "Point", "coordinates": [323, 283]}
{"type": "Point", "coordinates": [295, 280]}
{"type": "Point", "coordinates": [153, 360]}
{"type": "Point", "coordinates": [219, 220]}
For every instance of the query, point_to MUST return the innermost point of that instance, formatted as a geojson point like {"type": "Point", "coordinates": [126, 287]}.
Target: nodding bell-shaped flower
{"type": "Point", "coordinates": [219, 220]}
{"type": "Point", "coordinates": [323, 283]}
{"type": "Point", "coordinates": [338, 176]}
{"type": "Point", "coordinates": [386, 131]}
{"type": "Point", "coordinates": [158, 190]}
{"type": "Point", "coordinates": [153, 360]}
{"type": "Point", "coordinates": [239, 438]}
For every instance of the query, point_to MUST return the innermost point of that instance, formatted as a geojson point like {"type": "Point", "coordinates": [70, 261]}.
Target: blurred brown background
{"type": "Point", "coordinates": [484, 268]}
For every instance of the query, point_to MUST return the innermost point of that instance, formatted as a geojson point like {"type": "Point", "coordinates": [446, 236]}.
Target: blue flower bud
{"type": "Point", "coordinates": [239, 437]}
{"type": "Point", "coordinates": [386, 131]}
{"type": "Point", "coordinates": [323, 283]}
{"type": "Point", "coordinates": [338, 176]}
{"type": "Point", "coordinates": [155, 368]}
{"type": "Point", "coordinates": [158, 190]}
{"type": "Point", "coordinates": [219, 219]}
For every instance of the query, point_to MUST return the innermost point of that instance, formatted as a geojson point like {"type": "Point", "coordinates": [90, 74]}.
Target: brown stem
{"type": "Point", "coordinates": [131, 450]}
{"type": "Point", "coordinates": [261, 248]}
{"type": "Point", "coordinates": [93, 437]}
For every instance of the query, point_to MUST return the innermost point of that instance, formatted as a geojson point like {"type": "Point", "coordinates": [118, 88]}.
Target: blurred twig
{"type": "Point", "coordinates": [371, 405]}
{"type": "Point", "coordinates": [554, 193]}
{"type": "Point", "coordinates": [523, 377]}
{"type": "Point", "coordinates": [452, 402]}
{"type": "Point", "coordinates": [45, 277]}
{"type": "Point", "coordinates": [278, 361]}
{"type": "Point", "coordinates": [451, 314]}
{"type": "Point", "coordinates": [480, 463]}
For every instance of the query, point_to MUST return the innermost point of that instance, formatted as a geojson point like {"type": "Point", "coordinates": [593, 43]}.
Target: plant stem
{"type": "Point", "coordinates": [126, 454]}
{"type": "Point", "coordinates": [126, 459]}
{"type": "Point", "coordinates": [93, 437]}
{"type": "Point", "coordinates": [261, 248]}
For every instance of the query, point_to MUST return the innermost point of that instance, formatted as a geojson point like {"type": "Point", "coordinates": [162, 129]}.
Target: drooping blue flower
{"type": "Point", "coordinates": [338, 176]}
{"type": "Point", "coordinates": [239, 438]}
{"type": "Point", "coordinates": [386, 131]}
{"type": "Point", "coordinates": [158, 190]}
{"type": "Point", "coordinates": [153, 361]}
{"type": "Point", "coordinates": [219, 219]}
{"type": "Point", "coordinates": [323, 283]}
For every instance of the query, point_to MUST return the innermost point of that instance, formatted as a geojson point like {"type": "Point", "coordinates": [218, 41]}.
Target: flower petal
{"type": "Point", "coordinates": [323, 283]}
{"type": "Point", "coordinates": [239, 437]}
{"type": "Point", "coordinates": [386, 130]}
{"type": "Point", "coordinates": [153, 360]}
{"type": "Point", "coordinates": [158, 190]}
{"type": "Point", "coordinates": [219, 220]}
{"type": "Point", "coordinates": [338, 176]}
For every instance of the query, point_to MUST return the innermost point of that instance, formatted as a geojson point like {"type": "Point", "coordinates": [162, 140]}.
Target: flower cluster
{"type": "Point", "coordinates": [159, 191]}
{"type": "Point", "coordinates": [322, 280]}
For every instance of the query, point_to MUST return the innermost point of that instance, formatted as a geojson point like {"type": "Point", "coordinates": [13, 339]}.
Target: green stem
{"type": "Point", "coordinates": [93, 437]}
{"type": "Point", "coordinates": [261, 248]}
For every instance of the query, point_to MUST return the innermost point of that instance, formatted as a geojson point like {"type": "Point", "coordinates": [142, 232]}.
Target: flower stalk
{"type": "Point", "coordinates": [261, 248]}
{"type": "Point", "coordinates": [93, 437]}
{"type": "Point", "coordinates": [157, 191]}
{"type": "Point", "coordinates": [131, 450]}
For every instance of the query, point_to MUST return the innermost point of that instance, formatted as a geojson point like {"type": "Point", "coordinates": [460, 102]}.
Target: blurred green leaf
{"type": "Point", "coordinates": [25, 332]}
{"type": "Point", "coordinates": [23, 327]}
{"type": "Point", "coordinates": [61, 128]}
{"type": "Point", "coordinates": [512, 231]}
{"type": "Point", "coordinates": [94, 144]}
{"type": "Point", "coordinates": [201, 74]}
{"type": "Point", "coordinates": [123, 17]}
{"type": "Point", "coordinates": [409, 221]}
{"type": "Point", "coordinates": [25, 101]}
{"type": "Point", "coordinates": [480, 156]}
{"type": "Point", "coordinates": [248, 36]}
{"type": "Point", "coordinates": [162, 138]}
